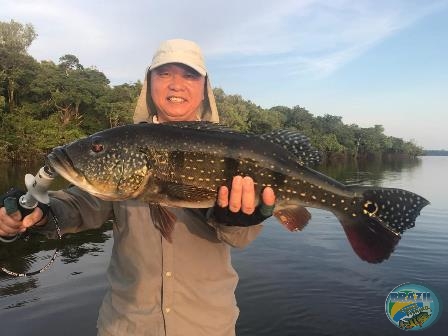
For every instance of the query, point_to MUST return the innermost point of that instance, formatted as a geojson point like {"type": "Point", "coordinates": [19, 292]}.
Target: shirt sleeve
{"type": "Point", "coordinates": [76, 210]}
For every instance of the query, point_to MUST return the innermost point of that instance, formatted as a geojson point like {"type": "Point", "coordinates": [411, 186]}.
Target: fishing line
{"type": "Point", "coordinates": [47, 266]}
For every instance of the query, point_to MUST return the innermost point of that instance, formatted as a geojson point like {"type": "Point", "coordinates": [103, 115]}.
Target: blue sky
{"type": "Point", "coordinates": [371, 62]}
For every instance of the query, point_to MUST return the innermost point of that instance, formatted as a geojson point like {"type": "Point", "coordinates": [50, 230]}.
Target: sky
{"type": "Point", "coordinates": [372, 62]}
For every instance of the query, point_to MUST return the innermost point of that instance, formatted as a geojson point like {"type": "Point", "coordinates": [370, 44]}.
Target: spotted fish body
{"type": "Point", "coordinates": [415, 321]}
{"type": "Point", "coordinates": [183, 165]}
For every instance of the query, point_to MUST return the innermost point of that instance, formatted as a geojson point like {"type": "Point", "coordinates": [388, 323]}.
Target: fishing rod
{"type": "Point", "coordinates": [37, 192]}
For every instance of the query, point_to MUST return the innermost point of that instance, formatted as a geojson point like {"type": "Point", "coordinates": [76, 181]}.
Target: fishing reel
{"type": "Point", "coordinates": [37, 191]}
{"type": "Point", "coordinates": [37, 188]}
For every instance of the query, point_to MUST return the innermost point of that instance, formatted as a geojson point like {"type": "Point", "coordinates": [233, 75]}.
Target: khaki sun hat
{"type": "Point", "coordinates": [179, 51]}
{"type": "Point", "coordinates": [176, 51]}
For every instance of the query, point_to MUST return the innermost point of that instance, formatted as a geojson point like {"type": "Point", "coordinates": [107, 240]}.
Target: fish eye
{"type": "Point", "coordinates": [96, 146]}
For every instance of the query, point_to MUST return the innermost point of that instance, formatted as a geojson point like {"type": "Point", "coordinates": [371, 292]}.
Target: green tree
{"type": "Point", "coordinates": [118, 104]}
{"type": "Point", "coordinates": [69, 62]}
{"type": "Point", "coordinates": [16, 37]}
{"type": "Point", "coordinates": [15, 63]}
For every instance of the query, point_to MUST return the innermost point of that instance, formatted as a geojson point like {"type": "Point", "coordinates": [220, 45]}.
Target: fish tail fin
{"type": "Point", "coordinates": [396, 209]}
{"type": "Point", "coordinates": [376, 219]}
{"type": "Point", "coordinates": [369, 238]}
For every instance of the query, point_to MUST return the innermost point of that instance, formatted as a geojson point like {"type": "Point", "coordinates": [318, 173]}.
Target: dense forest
{"type": "Point", "coordinates": [44, 104]}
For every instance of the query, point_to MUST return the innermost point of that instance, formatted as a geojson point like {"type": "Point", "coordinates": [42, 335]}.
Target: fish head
{"type": "Point", "coordinates": [107, 165]}
{"type": "Point", "coordinates": [423, 317]}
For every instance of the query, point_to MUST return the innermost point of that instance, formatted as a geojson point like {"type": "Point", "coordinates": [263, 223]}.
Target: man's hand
{"type": "Point", "coordinates": [239, 207]}
{"type": "Point", "coordinates": [12, 224]}
{"type": "Point", "coordinates": [11, 221]}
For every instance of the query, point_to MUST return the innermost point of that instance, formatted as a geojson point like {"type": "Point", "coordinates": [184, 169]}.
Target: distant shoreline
{"type": "Point", "coordinates": [432, 152]}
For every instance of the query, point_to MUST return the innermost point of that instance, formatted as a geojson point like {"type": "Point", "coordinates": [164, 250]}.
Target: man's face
{"type": "Point", "coordinates": [177, 91]}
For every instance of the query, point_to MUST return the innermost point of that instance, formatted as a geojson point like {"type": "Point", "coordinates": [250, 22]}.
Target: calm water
{"type": "Point", "coordinates": [307, 283]}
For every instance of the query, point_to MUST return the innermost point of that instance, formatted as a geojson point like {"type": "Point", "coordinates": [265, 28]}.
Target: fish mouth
{"type": "Point", "coordinates": [61, 163]}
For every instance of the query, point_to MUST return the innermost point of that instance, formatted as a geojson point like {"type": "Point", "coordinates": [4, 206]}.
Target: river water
{"type": "Point", "coordinates": [306, 283]}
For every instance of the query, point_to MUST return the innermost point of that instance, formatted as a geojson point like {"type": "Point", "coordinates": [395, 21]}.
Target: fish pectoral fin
{"type": "Point", "coordinates": [163, 219]}
{"type": "Point", "coordinates": [293, 218]}
{"type": "Point", "coordinates": [186, 192]}
{"type": "Point", "coordinates": [371, 240]}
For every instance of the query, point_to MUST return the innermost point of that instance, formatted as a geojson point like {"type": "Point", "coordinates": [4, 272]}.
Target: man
{"type": "Point", "coordinates": [183, 287]}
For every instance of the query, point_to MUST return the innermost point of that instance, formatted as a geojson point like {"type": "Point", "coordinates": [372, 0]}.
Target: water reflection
{"type": "Point", "coordinates": [308, 283]}
{"type": "Point", "coordinates": [371, 172]}
{"type": "Point", "coordinates": [32, 251]}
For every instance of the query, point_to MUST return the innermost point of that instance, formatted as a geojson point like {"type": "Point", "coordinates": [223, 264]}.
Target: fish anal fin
{"type": "Point", "coordinates": [371, 240]}
{"type": "Point", "coordinates": [188, 192]}
{"type": "Point", "coordinates": [163, 219]}
{"type": "Point", "coordinates": [293, 218]}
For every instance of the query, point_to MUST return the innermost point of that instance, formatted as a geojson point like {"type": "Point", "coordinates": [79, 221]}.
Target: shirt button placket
{"type": "Point", "coordinates": [168, 289]}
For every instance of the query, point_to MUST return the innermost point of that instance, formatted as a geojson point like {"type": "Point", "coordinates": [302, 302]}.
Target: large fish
{"type": "Point", "coordinates": [183, 164]}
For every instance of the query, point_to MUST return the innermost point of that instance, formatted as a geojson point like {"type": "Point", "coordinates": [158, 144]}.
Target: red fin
{"type": "Point", "coordinates": [163, 220]}
{"type": "Point", "coordinates": [293, 218]}
{"type": "Point", "coordinates": [369, 238]}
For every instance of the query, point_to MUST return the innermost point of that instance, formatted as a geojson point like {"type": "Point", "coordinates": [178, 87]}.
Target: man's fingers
{"type": "Point", "coordinates": [248, 196]}
{"type": "Point", "coordinates": [241, 196]}
{"type": "Point", "coordinates": [32, 218]}
{"type": "Point", "coordinates": [235, 194]}
{"type": "Point", "coordinates": [9, 224]}
{"type": "Point", "coordinates": [223, 197]}
{"type": "Point", "coordinates": [8, 231]}
{"type": "Point", "coordinates": [268, 196]}
{"type": "Point", "coordinates": [16, 215]}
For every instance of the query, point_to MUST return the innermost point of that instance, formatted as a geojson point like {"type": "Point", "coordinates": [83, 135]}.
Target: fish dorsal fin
{"type": "Point", "coordinates": [187, 192]}
{"type": "Point", "coordinates": [163, 220]}
{"type": "Point", "coordinates": [295, 143]}
{"type": "Point", "coordinates": [293, 218]}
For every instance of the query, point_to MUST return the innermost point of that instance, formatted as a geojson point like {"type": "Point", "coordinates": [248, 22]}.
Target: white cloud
{"type": "Point", "coordinates": [310, 36]}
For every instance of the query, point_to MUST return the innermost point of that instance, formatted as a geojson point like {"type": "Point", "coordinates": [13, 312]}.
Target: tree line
{"type": "Point", "coordinates": [44, 104]}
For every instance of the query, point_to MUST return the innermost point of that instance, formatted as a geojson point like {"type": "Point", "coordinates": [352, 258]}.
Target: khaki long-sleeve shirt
{"type": "Point", "coordinates": [159, 288]}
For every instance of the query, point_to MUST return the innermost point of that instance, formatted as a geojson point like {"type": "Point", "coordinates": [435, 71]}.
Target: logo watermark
{"type": "Point", "coordinates": [413, 307]}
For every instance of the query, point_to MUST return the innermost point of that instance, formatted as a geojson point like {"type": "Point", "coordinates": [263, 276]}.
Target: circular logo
{"type": "Point", "coordinates": [413, 307]}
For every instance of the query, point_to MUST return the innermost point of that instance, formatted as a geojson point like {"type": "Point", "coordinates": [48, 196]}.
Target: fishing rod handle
{"type": "Point", "coordinates": [22, 204]}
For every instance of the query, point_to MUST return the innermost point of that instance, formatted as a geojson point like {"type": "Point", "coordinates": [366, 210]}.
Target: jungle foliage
{"type": "Point", "coordinates": [45, 104]}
